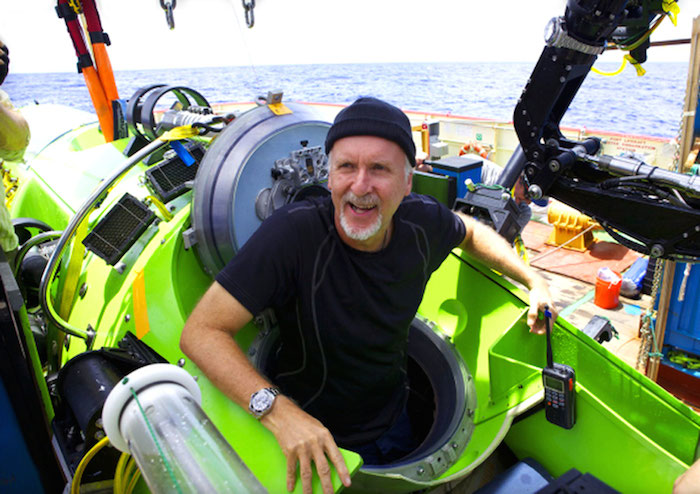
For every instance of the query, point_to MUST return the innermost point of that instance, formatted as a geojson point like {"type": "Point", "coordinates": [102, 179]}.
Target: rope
{"type": "Point", "coordinates": [534, 259]}
{"type": "Point", "coordinates": [626, 58]}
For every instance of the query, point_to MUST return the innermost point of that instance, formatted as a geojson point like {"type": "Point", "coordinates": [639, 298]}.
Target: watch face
{"type": "Point", "coordinates": [261, 401]}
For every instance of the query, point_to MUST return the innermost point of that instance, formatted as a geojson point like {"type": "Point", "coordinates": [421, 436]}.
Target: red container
{"type": "Point", "coordinates": [607, 293]}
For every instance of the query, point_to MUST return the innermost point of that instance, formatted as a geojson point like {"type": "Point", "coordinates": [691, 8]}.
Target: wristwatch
{"type": "Point", "coordinates": [261, 401]}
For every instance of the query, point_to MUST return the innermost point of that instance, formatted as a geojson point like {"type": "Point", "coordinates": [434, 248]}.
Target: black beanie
{"type": "Point", "coordinates": [373, 117]}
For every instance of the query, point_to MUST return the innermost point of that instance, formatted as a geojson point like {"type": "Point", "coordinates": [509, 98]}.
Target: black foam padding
{"type": "Point", "coordinates": [114, 235]}
{"type": "Point", "coordinates": [169, 178]}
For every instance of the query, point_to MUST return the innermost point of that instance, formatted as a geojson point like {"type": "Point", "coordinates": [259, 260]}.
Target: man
{"type": "Point", "coordinates": [345, 276]}
{"type": "Point", "coordinates": [14, 138]}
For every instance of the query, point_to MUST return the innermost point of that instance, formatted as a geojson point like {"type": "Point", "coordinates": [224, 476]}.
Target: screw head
{"type": "Point", "coordinates": [656, 250]}
{"type": "Point", "coordinates": [534, 191]}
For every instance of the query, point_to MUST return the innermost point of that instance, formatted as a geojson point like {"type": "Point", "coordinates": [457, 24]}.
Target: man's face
{"type": "Point", "coordinates": [368, 182]}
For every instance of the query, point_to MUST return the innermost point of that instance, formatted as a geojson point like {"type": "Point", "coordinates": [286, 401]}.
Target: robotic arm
{"type": "Point", "coordinates": [653, 211]}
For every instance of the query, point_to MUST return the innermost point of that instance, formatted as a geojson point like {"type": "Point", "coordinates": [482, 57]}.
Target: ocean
{"type": "Point", "coordinates": [648, 105]}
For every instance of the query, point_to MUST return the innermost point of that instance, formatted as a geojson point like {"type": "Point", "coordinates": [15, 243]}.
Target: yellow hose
{"type": "Point", "coordinates": [128, 473]}
{"type": "Point", "coordinates": [118, 487]}
{"type": "Point", "coordinates": [75, 483]}
{"type": "Point", "coordinates": [133, 482]}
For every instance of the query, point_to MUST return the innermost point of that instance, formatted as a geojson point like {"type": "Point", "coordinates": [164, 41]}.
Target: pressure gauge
{"type": "Point", "coordinates": [553, 31]}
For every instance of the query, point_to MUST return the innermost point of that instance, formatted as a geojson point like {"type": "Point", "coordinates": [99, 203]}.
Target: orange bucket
{"type": "Point", "coordinates": [607, 293]}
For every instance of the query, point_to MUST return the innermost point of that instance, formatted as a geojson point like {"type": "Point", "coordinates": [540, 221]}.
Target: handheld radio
{"type": "Point", "coordinates": [559, 386]}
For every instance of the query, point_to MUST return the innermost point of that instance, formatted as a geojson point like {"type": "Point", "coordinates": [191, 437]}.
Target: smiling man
{"type": "Point", "coordinates": [345, 276]}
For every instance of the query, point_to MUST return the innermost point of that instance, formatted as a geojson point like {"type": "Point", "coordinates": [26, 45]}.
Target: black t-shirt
{"type": "Point", "coordinates": [343, 314]}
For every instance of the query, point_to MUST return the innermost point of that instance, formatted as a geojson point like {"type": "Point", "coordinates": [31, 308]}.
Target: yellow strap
{"type": "Point", "coordinates": [638, 66]}
{"type": "Point", "coordinates": [179, 133]}
{"type": "Point", "coordinates": [167, 215]}
{"type": "Point", "coordinates": [138, 291]}
{"type": "Point", "coordinates": [73, 272]}
{"type": "Point", "coordinates": [672, 9]}
{"type": "Point", "coordinates": [10, 186]}
{"type": "Point", "coordinates": [76, 6]}
{"type": "Point", "coordinates": [521, 250]}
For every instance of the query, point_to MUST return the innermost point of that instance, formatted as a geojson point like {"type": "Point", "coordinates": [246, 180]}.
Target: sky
{"type": "Point", "coordinates": [211, 33]}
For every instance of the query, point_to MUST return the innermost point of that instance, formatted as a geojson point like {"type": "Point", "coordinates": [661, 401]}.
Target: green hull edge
{"type": "Point", "coordinates": [630, 432]}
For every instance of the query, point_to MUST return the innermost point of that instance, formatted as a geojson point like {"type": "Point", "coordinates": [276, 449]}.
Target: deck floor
{"type": "Point", "coordinates": [575, 301]}
{"type": "Point", "coordinates": [571, 276]}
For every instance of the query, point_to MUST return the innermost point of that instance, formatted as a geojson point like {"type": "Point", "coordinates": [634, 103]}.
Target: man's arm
{"type": "Point", "coordinates": [14, 132]}
{"type": "Point", "coordinates": [489, 247]}
{"type": "Point", "coordinates": [207, 339]}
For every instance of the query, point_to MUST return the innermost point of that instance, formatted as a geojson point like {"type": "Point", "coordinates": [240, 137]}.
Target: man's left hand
{"type": "Point", "coordinates": [539, 299]}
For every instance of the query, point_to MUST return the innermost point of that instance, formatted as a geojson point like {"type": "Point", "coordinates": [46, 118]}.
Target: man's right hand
{"type": "Point", "coordinates": [209, 342]}
{"type": "Point", "coordinates": [304, 439]}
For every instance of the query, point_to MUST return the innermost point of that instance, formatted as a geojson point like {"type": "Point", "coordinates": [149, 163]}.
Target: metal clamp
{"type": "Point", "coordinates": [555, 35]}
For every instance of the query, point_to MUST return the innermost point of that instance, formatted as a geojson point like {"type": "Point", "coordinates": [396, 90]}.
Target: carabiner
{"type": "Point", "coordinates": [249, 13]}
{"type": "Point", "coordinates": [168, 7]}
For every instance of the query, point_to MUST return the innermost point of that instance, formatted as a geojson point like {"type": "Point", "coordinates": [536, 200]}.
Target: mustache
{"type": "Point", "coordinates": [365, 201]}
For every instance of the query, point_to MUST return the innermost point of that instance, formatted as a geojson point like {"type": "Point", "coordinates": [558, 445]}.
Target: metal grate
{"type": "Point", "coordinates": [168, 178]}
{"type": "Point", "coordinates": [119, 229]}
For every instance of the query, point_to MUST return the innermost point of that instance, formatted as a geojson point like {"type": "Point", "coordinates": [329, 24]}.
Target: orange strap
{"type": "Point", "coordinates": [103, 108]}
{"type": "Point", "coordinates": [138, 291]}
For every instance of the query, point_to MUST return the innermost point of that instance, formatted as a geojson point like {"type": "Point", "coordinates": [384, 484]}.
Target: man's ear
{"type": "Point", "coordinates": [409, 184]}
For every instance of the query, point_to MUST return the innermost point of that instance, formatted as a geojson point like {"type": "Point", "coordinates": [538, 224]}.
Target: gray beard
{"type": "Point", "coordinates": [360, 234]}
